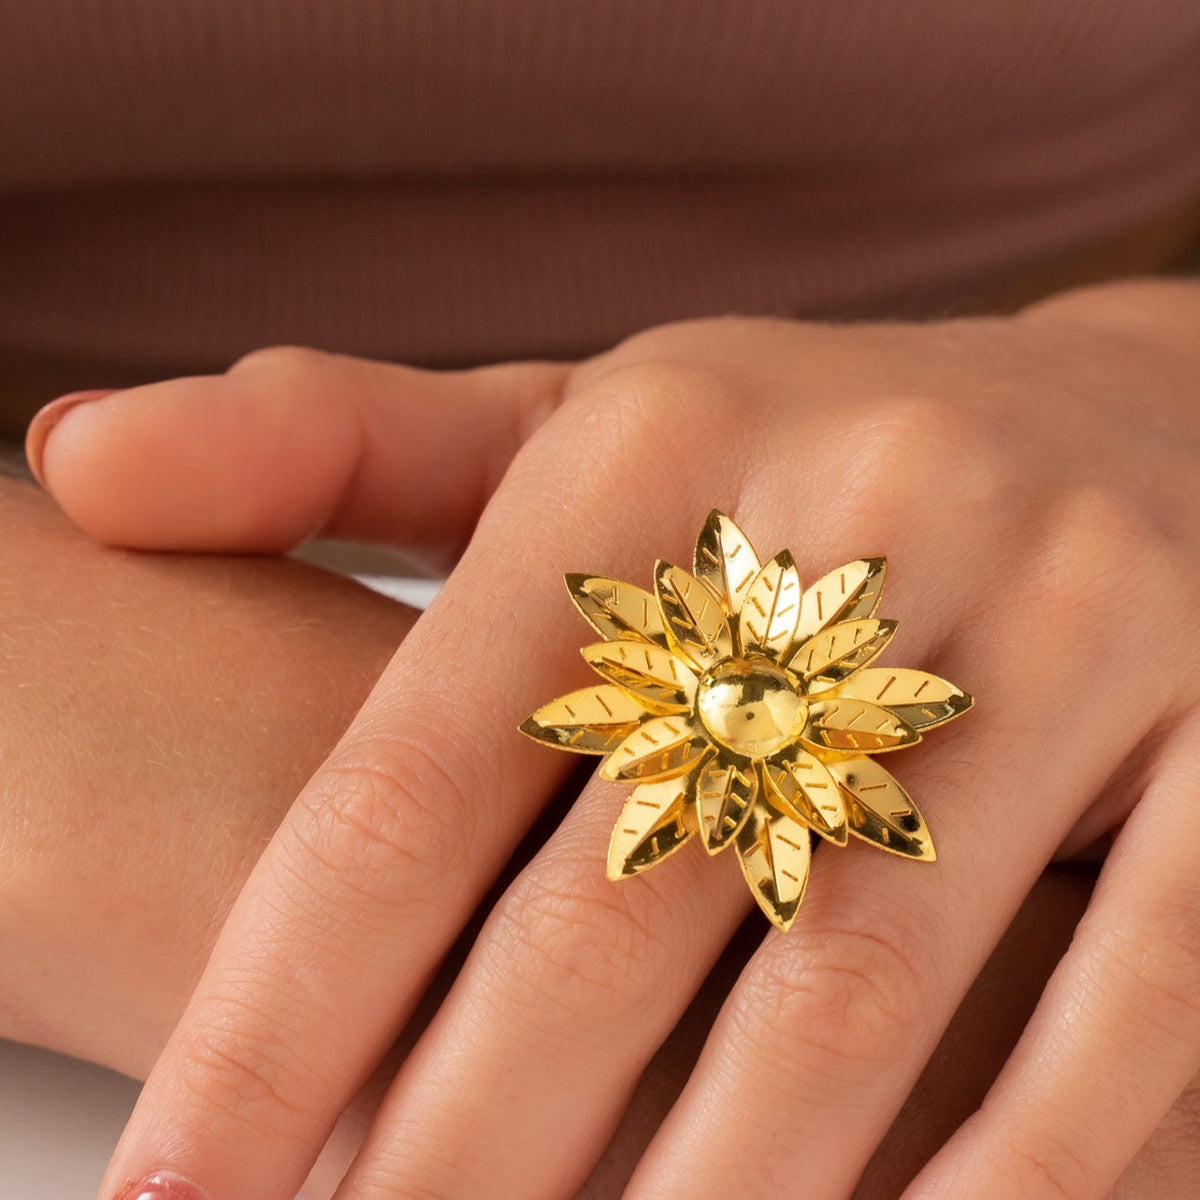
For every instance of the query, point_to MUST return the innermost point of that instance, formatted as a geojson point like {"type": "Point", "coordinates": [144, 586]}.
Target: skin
{"type": "Point", "coordinates": [90, 859]}
{"type": "Point", "coordinates": [1035, 482]}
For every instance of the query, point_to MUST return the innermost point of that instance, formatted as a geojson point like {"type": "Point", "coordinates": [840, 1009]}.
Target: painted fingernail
{"type": "Point", "coordinates": [162, 1185]}
{"type": "Point", "coordinates": [45, 420]}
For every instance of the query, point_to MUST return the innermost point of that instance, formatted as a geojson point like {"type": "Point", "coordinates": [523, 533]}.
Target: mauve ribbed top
{"type": "Point", "coordinates": [455, 181]}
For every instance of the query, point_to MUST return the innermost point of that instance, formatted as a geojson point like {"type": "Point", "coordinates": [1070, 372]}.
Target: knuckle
{"type": "Point", "coordinates": [1158, 964]}
{"type": "Point", "coordinates": [390, 824]}
{"type": "Point", "coordinates": [683, 339]}
{"type": "Point", "coordinates": [628, 414]}
{"type": "Point", "coordinates": [851, 995]}
{"type": "Point", "coordinates": [902, 450]}
{"type": "Point", "coordinates": [1045, 1166]}
{"type": "Point", "coordinates": [237, 1068]}
{"type": "Point", "coordinates": [608, 447]}
{"type": "Point", "coordinates": [411, 1166]}
{"type": "Point", "coordinates": [286, 360]}
{"type": "Point", "coordinates": [581, 949]}
{"type": "Point", "coordinates": [1098, 564]}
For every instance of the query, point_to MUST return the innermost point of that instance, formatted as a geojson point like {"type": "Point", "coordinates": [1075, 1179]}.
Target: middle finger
{"type": "Point", "coordinates": [572, 984]}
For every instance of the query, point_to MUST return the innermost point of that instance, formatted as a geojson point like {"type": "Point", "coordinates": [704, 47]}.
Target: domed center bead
{"type": "Point", "coordinates": [750, 707]}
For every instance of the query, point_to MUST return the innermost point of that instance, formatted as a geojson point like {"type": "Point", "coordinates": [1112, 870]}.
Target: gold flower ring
{"type": "Point", "coordinates": [744, 710]}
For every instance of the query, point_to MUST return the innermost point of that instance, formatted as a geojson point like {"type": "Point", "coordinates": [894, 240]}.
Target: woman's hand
{"type": "Point", "coordinates": [115, 852]}
{"type": "Point", "coordinates": [1035, 483]}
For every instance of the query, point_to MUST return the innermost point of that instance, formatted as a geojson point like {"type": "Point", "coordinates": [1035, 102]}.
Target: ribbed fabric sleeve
{"type": "Point", "coordinates": [457, 181]}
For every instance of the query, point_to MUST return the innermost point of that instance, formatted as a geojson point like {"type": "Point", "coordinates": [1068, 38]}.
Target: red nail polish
{"type": "Point", "coordinates": [162, 1185]}
{"type": "Point", "coordinates": [46, 418]}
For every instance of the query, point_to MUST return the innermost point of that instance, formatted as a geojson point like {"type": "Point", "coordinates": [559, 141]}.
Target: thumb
{"type": "Point", "coordinates": [290, 443]}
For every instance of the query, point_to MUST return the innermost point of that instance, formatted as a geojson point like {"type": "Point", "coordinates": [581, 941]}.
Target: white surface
{"type": "Point", "coordinates": [59, 1121]}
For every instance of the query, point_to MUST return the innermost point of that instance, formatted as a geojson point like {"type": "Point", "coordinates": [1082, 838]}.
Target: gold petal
{"type": "Point", "coordinates": [857, 726]}
{"type": "Point", "coordinates": [725, 560]}
{"type": "Point", "coordinates": [850, 593]}
{"type": "Point", "coordinates": [921, 699]}
{"type": "Point", "coordinates": [658, 678]}
{"type": "Point", "coordinates": [771, 608]}
{"type": "Point", "coordinates": [833, 654]}
{"type": "Point", "coordinates": [659, 748]}
{"type": "Point", "coordinates": [656, 820]}
{"type": "Point", "coordinates": [694, 619]}
{"type": "Point", "coordinates": [593, 720]}
{"type": "Point", "coordinates": [775, 850]}
{"type": "Point", "coordinates": [725, 793]}
{"type": "Point", "coordinates": [617, 610]}
{"type": "Point", "coordinates": [802, 785]}
{"type": "Point", "coordinates": [880, 810]}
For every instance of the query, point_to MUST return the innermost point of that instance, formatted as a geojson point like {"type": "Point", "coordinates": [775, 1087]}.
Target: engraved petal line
{"type": "Point", "coordinates": [775, 852]}
{"type": "Point", "coordinates": [858, 726]}
{"type": "Point", "coordinates": [803, 786]}
{"type": "Point", "coordinates": [771, 609]}
{"type": "Point", "coordinates": [880, 811]}
{"type": "Point", "coordinates": [658, 678]}
{"type": "Point", "coordinates": [617, 610]}
{"type": "Point", "coordinates": [923, 700]}
{"type": "Point", "coordinates": [654, 822]}
{"type": "Point", "coordinates": [832, 655]}
{"type": "Point", "coordinates": [593, 720]}
{"type": "Point", "coordinates": [849, 593]}
{"type": "Point", "coordinates": [725, 560]}
{"type": "Point", "coordinates": [694, 618]}
{"type": "Point", "coordinates": [725, 794]}
{"type": "Point", "coordinates": [659, 748]}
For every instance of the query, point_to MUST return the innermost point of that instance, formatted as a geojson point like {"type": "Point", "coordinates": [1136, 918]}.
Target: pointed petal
{"type": "Point", "coordinates": [658, 678]}
{"type": "Point", "coordinates": [775, 850]}
{"type": "Point", "coordinates": [656, 820]}
{"type": "Point", "coordinates": [659, 748]}
{"type": "Point", "coordinates": [694, 619]}
{"type": "Point", "coordinates": [921, 699]}
{"type": "Point", "coordinates": [725, 560]}
{"type": "Point", "coordinates": [880, 810]}
{"type": "Point", "coordinates": [725, 793]}
{"type": "Point", "coordinates": [857, 726]}
{"type": "Point", "coordinates": [767, 624]}
{"type": "Point", "coordinates": [850, 593]}
{"type": "Point", "coordinates": [837, 652]}
{"type": "Point", "coordinates": [803, 786]}
{"type": "Point", "coordinates": [593, 720]}
{"type": "Point", "coordinates": [617, 610]}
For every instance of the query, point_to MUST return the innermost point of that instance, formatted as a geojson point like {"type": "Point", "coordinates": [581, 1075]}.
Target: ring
{"type": "Point", "coordinates": [744, 710]}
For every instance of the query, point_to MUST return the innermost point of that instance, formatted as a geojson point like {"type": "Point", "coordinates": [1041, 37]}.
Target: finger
{"type": "Point", "coordinates": [290, 443]}
{"type": "Point", "coordinates": [388, 851]}
{"type": "Point", "coordinates": [1116, 1036]}
{"type": "Point", "coordinates": [831, 1024]}
{"type": "Point", "coordinates": [571, 985]}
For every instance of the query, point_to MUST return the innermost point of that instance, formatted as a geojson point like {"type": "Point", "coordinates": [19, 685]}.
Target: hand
{"type": "Point", "coordinates": [1034, 481]}
{"type": "Point", "coordinates": [115, 852]}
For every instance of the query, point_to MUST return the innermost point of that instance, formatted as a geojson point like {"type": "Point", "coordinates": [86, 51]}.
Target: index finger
{"type": "Point", "coordinates": [389, 849]}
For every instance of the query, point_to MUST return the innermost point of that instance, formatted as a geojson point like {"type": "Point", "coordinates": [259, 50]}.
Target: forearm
{"type": "Point", "coordinates": [157, 716]}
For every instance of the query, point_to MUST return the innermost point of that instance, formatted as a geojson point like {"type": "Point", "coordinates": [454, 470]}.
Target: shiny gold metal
{"type": "Point", "coordinates": [744, 711]}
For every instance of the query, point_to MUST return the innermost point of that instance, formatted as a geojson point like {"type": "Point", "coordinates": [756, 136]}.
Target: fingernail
{"type": "Point", "coordinates": [45, 420]}
{"type": "Point", "coordinates": [162, 1185]}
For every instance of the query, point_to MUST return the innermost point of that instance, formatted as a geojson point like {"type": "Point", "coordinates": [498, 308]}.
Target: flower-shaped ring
{"type": "Point", "coordinates": [744, 709]}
